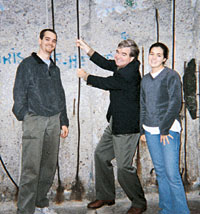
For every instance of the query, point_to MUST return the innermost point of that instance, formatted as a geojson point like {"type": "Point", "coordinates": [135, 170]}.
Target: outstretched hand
{"type": "Point", "coordinates": [83, 45]}
{"type": "Point", "coordinates": [82, 74]}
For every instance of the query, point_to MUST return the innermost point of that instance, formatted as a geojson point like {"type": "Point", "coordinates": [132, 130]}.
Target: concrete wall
{"type": "Point", "coordinates": [103, 24]}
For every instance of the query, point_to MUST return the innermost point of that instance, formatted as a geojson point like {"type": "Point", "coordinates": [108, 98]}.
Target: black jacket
{"type": "Point", "coordinates": [38, 90]}
{"type": "Point", "coordinates": [124, 87]}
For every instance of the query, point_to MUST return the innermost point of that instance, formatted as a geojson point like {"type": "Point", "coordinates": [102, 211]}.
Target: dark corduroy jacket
{"type": "Point", "coordinates": [124, 87]}
{"type": "Point", "coordinates": [38, 90]}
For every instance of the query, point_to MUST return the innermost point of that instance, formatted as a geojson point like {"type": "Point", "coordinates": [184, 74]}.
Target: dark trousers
{"type": "Point", "coordinates": [40, 145]}
{"type": "Point", "coordinates": [121, 147]}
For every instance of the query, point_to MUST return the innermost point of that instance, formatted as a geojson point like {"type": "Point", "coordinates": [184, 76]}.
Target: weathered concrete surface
{"type": "Point", "coordinates": [121, 206]}
{"type": "Point", "coordinates": [103, 24]}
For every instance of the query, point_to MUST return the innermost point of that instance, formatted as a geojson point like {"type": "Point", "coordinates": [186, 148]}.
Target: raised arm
{"type": "Point", "coordinates": [84, 46]}
{"type": "Point", "coordinates": [96, 57]}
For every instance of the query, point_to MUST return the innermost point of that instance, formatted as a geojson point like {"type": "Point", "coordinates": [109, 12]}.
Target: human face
{"type": "Point", "coordinates": [156, 59]}
{"type": "Point", "coordinates": [122, 57]}
{"type": "Point", "coordinates": [48, 43]}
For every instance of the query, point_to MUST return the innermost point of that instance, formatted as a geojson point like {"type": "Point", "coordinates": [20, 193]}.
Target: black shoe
{"type": "Point", "coordinates": [136, 210]}
{"type": "Point", "coordinates": [99, 203]}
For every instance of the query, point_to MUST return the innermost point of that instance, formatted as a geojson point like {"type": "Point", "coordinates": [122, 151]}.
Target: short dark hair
{"type": "Point", "coordinates": [129, 43]}
{"type": "Point", "coordinates": [163, 46]}
{"type": "Point", "coordinates": [47, 29]}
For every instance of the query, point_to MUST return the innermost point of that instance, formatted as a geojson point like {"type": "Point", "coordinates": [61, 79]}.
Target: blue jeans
{"type": "Point", "coordinates": [166, 163]}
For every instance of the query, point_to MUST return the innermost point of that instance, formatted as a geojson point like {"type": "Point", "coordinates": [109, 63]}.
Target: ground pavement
{"type": "Point", "coordinates": [121, 206]}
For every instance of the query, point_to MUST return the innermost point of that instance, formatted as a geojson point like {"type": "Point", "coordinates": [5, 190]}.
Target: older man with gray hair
{"type": "Point", "coordinates": [121, 137]}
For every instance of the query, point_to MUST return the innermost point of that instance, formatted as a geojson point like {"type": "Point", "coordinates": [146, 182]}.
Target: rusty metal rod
{"type": "Point", "coordinates": [199, 93]}
{"type": "Point", "coordinates": [74, 106]}
{"type": "Point", "coordinates": [53, 25]}
{"type": "Point", "coordinates": [157, 24]}
{"type": "Point", "coordinates": [173, 33]}
{"type": "Point", "coordinates": [142, 61]}
{"type": "Point", "coordinates": [59, 198]}
{"type": "Point", "coordinates": [77, 187]}
{"type": "Point", "coordinates": [7, 172]}
{"type": "Point", "coordinates": [185, 177]}
{"type": "Point", "coordinates": [79, 91]}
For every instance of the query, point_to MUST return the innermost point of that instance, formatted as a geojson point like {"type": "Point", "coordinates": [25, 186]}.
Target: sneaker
{"type": "Point", "coordinates": [38, 210]}
{"type": "Point", "coordinates": [47, 210]}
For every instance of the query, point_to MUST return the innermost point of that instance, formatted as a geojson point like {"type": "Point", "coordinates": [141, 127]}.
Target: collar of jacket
{"type": "Point", "coordinates": [39, 60]}
{"type": "Point", "coordinates": [128, 72]}
{"type": "Point", "coordinates": [130, 64]}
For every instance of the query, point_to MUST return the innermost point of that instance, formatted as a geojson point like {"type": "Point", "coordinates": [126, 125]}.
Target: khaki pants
{"type": "Point", "coordinates": [40, 145]}
{"type": "Point", "coordinates": [121, 147]}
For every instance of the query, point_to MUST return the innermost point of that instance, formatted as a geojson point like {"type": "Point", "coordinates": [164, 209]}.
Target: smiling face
{"type": "Point", "coordinates": [156, 59]}
{"type": "Point", "coordinates": [48, 43]}
{"type": "Point", "coordinates": [122, 57]}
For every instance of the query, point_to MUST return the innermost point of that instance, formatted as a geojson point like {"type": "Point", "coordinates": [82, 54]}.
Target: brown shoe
{"type": "Point", "coordinates": [136, 210]}
{"type": "Point", "coordinates": [99, 203]}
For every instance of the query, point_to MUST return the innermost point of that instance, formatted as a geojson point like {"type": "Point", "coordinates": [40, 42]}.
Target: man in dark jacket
{"type": "Point", "coordinates": [39, 102]}
{"type": "Point", "coordinates": [121, 137]}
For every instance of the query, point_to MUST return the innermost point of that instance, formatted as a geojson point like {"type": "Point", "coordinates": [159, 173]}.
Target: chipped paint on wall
{"type": "Point", "coordinates": [104, 7]}
{"type": "Point", "coordinates": [1, 7]}
{"type": "Point", "coordinates": [131, 3]}
{"type": "Point", "coordinates": [125, 35]}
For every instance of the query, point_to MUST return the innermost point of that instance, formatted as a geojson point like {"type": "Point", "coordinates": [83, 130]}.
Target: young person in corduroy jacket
{"type": "Point", "coordinates": [39, 102]}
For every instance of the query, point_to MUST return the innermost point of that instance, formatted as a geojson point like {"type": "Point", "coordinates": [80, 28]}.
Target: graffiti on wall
{"type": "Point", "coordinates": [131, 3]}
{"type": "Point", "coordinates": [71, 61]}
{"type": "Point", "coordinates": [124, 35]}
{"type": "Point", "coordinates": [14, 57]}
{"type": "Point", "coordinates": [105, 7]}
{"type": "Point", "coordinates": [2, 7]}
{"type": "Point", "coordinates": [11, 58]}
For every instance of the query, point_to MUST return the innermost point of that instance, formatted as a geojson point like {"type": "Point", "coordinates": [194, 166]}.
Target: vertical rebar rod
{"type": "Point", "coordinates": [157, 24]}
{"type": "Point", "coordinates": [142, 61]}
{"type": "Point", "coordinates": [185, 178]}
{"type": "Point", "coordinates": [199, 94]}
{"type": "Point", "coordinates": [53, 25]}
{"type": "Point", "coordinates": [173, 33]}
{"type": "Point", "coordinates": [7, 172]}
{"type": "Point", "coordinates": [54, 53]}
{"type": "Point", "coordinates": [79, 91]}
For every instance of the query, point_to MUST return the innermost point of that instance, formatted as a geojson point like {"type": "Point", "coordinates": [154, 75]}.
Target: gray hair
{"type": "Point", "coordinates": [129, 43]}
